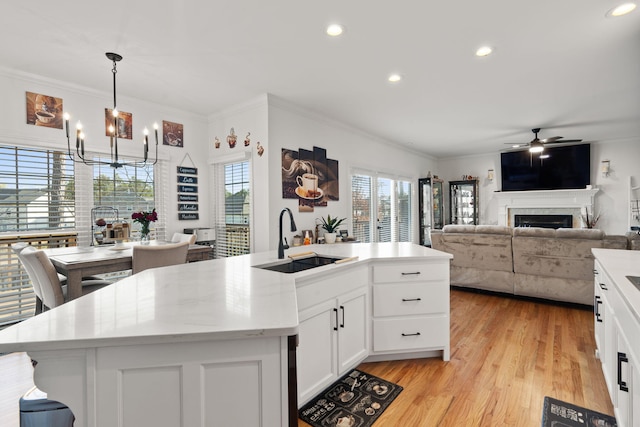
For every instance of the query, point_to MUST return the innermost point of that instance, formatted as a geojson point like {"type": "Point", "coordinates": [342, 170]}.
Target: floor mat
{"type": "Point", "coordinates": [557, 413]}
{"type": "Point", "coordinates": [355, 400]}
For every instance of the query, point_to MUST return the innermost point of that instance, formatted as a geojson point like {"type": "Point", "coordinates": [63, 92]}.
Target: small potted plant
{"type": "Point", "coordinates": [330, 226]}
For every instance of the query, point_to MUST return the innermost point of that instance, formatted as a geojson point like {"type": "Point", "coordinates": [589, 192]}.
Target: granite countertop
{"type": "Point", "coordinates": [216, 299]}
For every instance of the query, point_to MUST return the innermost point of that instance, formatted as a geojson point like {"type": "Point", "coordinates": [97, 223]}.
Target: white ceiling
{"type": "Point", "coordinates": [557, 64]}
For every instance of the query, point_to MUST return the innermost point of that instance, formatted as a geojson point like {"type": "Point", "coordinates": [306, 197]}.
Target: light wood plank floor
{"type": "Point", "coordinates": [506, 355]}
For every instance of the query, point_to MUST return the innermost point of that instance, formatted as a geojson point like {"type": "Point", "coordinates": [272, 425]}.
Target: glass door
{"type": "Point", "coordinates": [425, 211]}
{"type": "Point", "coordinates": [438, 204]}
{"type": "Point", "coordinates": [463, 199]}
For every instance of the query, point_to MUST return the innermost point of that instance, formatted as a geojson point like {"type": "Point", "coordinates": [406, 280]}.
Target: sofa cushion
{"type": "Point", "coordinates": [455, 228]}
{"type": "Point", "coordinates": [534, 232]}
{"type": "Point", "coordinates": [566, 258]}
{"type": "Point", "coordinates": [579, 233]}
{"type": "Point", "coordinates": [481, 251]}
{"type": "Point", "coordinates": [493, 229]}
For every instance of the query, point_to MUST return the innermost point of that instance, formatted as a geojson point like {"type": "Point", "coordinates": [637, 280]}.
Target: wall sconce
{"type": "Point", "coordinates": [490, 174]}
{"type": "Point", "coordinates": [605, 166]}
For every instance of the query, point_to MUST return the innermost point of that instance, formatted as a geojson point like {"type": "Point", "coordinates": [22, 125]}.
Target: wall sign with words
{"type": "Point", "coordinates": [187, 192]}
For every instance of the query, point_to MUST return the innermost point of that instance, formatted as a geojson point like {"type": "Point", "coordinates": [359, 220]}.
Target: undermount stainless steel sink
{"type": "Point", "coordinates": [299, 264]}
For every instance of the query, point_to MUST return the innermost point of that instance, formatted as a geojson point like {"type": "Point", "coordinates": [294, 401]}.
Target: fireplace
{"type": "Point", "coordinates": [573, 203]}
{"type": "Point", "coordinates": [544, 221]}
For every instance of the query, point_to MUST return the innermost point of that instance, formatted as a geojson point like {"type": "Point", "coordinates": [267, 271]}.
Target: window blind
{"type": "Point", "coordinates": [361, 207]}
{"type": "Point", "coordinates": [36, 190]}
{"type": "Point", "coordinates": [390, 200]}
{"type": "Point", "coordinates": [233, 208]}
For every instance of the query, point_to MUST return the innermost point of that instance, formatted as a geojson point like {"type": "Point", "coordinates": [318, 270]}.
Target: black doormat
{"type": "Point", "coordinates": [355, 400]}
{"type": "Point", "coordinates": [557, 413]}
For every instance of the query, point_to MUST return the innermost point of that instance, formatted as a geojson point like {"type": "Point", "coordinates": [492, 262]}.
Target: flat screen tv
{"type": "Point", "coordinates": [567, 167]}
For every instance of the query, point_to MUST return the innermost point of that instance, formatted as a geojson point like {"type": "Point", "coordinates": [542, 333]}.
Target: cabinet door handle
{"type": "Point", "coordinates": [415, 273]}
{"type": "Point", "coordinates": [335, 310]}
{"type": "Point", "coordinates": [342, 309]}
{"type": "Point", "coordinates": [596, 309]}
{"type": "Point", "coordinates": [410, 335]}
{"type": "Point", "coordinates": [603, 286]}
{"type": "Point", "coordinates": [411, 299]}
{"type": "Point", "coordinates": [622, 357]}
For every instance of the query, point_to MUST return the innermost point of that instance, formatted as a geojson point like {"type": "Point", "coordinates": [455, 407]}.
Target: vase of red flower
{"type": "Point", "coordinates": [144, 219]}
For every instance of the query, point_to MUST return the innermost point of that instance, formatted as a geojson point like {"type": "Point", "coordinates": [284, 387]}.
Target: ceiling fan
{"type": "Point", "coordinates": [537, 145]}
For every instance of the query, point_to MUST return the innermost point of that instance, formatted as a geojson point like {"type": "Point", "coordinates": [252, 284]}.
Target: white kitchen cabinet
{"type": "Point", "coordinates": [618, 333]}
{"type": "Point", "coordinates": [605, 332]}
{"type": "Point", "coordinates": [410, 309]}
{"type": "Point", "coordinates": [333, 329]}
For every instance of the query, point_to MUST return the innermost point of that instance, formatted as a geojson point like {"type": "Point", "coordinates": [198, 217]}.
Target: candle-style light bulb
{"type": "Point", "coordinates": [66, 118]}
{"type": "Point", "coordinates": [115, 112]}
{"type": "Point", "coordinates": [146, 143]}
{"type": "Point", "coordinates": [111, 132]}
{"type": "Point", "coordinates": [78, 132]}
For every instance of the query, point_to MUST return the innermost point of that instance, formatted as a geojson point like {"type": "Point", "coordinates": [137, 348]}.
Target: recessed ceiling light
{"type": "Point", "coordinates": [395, 78]}
{"type": "Point", "coordinates": [484, 51]}
{"type": "Point", "coordinates": [335, 30]}
{"type": "Point", "coordinates": [620, 10]}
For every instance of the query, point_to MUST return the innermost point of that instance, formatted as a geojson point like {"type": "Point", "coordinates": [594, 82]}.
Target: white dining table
{"type": "Point", "coordinates": [76, 262]}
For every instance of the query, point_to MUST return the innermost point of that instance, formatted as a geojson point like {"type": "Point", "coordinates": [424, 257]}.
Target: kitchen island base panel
{"type": "Point", "coordinates": [218, 383]}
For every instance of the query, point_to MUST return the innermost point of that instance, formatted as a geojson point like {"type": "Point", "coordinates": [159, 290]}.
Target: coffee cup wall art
{"type": "Point", "coordinates": [172, 134]}
{"type": "Point", "coordinates": [310, 177]}
{"type": "Point", "coordinates": [44, 110]}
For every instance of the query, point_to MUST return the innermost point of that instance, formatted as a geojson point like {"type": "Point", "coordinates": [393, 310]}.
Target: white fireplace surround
{"type": "Point", "coordinates": [545, 202]}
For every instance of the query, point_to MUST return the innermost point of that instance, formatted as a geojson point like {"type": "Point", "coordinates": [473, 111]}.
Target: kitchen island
{"type": "Point", "coordinates": [211, 343]}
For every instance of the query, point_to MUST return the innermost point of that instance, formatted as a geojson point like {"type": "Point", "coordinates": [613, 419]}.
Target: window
{"type": "Point", "coordinates": [381, 209]}
{"type": "Point", "coordinates": [233, 213]}
{"type": "Point", "coordinates": [127, 189]}
{"type": "Point", "coordinates": [37, 205]}
{"type": "Point", "coordinates": [36, 190]}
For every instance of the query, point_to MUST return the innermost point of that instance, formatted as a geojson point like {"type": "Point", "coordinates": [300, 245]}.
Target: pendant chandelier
{"type": "Point", "coordinates": [115, 161]}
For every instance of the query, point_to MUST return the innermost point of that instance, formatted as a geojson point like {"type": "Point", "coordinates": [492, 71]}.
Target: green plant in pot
{"type": "Point", "coordinates": [330, 226]}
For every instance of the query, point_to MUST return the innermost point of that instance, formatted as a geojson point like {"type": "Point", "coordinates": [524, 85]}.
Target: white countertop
{"type": "Point", "coordinates": [217, 299]}
{"type": "Point", "coordinates": [619, 263]}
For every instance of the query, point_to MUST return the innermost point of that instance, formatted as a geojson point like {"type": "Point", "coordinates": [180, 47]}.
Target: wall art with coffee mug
{"type": "Point", "coordinates": [124, 129]}
{"type": "Point", "coordinates": [187, 192]}
{"type": "Point", "coordinates": [310, 177]}
{"type": "Point", "coordinates": [44, 110]}
{"type": "Point", "coordinates": [172, 134]}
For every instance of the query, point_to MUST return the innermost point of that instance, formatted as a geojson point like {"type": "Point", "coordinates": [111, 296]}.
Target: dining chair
{"type": "Point", "coordinates": [151, 256]}
{"type": "Point", "coordinates": [182, 237]}
{"type": "Point", "coordinates": [44, 277]}
{"type": "Point", "coordinates": [17, 249]}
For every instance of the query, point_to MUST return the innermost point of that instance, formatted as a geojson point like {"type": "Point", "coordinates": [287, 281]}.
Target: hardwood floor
{"type": "Point", "coordinates": [506, 355]}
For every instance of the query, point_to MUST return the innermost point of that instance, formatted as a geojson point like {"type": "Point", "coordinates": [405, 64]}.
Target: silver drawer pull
{"type": "Point", "coordinates": [411, 299]}
{"type": "Point", "coordinates": [411, 274]}
{"type": "Point", "coordinates": [410, 335]}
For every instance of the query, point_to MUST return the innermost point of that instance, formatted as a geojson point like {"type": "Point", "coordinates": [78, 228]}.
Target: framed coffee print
{"type": "Point", "coordinates": [124, 128]}
{"type": "Point", "coordinates": [44, 110]}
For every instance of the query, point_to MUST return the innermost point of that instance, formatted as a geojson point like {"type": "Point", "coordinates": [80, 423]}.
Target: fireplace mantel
{"type": "Point", "coordinates": [543, 200]}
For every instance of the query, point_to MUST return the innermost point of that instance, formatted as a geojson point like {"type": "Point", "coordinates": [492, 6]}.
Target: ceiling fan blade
{"type": "Point", "coordinates": [552, 139]}
{"type": "Point", "coordinates": [566, 140]}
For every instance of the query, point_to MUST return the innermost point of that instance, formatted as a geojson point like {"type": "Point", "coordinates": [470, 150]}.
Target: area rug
{"type": "Point", "coordinates": [557, 413]}
{"type": "Point", "coordinates": [355, 400]}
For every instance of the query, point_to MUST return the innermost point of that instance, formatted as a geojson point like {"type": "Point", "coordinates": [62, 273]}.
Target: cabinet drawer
{"type": "Point", "coordinates": [410, 298]}
{"type": "Point", "coordinates": [410, 272]}
{"type": "Point", "coordinates": [410, 333]}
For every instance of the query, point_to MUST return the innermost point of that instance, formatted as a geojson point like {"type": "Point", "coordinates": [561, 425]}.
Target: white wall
{"type": "Point", "coordinates": [612, 201]}
{"type": "Point", "coordinates": [249, 117]}
{"type": "Point", "coordinates": [291, 127]}
{"type": "Point", "coordinates": [88, 106]}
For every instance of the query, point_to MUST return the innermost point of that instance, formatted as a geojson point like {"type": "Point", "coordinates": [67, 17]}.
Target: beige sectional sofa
{"type": "Point", "coordinates": [528, 261]}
